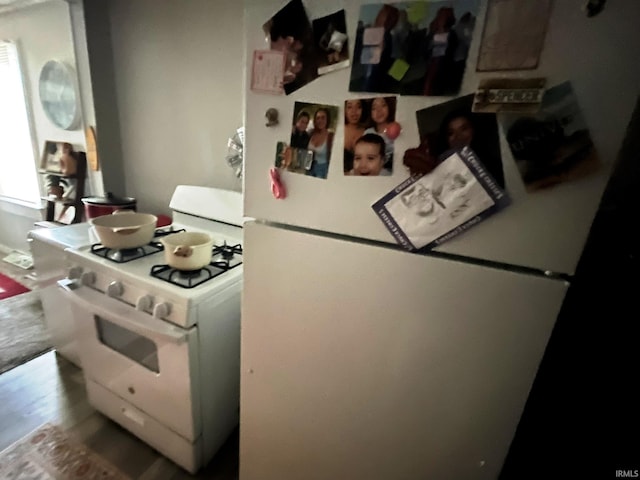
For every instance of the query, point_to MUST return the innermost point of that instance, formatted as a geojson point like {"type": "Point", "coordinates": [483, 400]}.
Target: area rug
{"type": "Point", "coordinates": [23, 334]}
{"type": "Point", "coordinates": [48, 453]}
{"type": "Point", "coordinates": [9, 287]}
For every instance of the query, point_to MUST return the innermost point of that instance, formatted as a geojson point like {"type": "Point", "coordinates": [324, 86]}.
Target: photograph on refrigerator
{"type": "Point", "coordinates": [332, 42]}
{"type": "Point", "coordinates": [554, 145]}
{"type": "Point", "coordinates": [412, 48]}
{"type": "Point", "coordinates": [431, 209]}
{"type": "Point", "coordinates": [312, 132]}
{"type": "Point", "coordinates": [452, 125]}
{"type": "Point", "coordinates": [513, 34]}
{"type": "Point", "coordinates": [368, 117]}
{"type": "Point", "coordinates": [289, 31]}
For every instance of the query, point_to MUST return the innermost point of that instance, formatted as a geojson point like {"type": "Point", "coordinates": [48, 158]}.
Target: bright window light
{"type": "Point", "coordinates": [18, 180]}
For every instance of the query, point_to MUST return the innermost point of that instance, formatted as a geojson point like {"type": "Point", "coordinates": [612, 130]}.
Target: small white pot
{"type": "Point", "coordinates": [187, 250]}
{"type": "Point", "coordinates": [125, 229]}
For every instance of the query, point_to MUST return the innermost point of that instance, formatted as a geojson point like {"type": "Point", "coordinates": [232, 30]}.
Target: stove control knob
{"type": "Point", "coordinates": [115, 289]}
{"type": "Point", "coordinates": [75, 273]}
{"type": "Point", "coordinates": [88, 278]}
{"type": "Point", "coordinates": [143, 303]}
{"type": "Point", "coordinates": [162, 310]}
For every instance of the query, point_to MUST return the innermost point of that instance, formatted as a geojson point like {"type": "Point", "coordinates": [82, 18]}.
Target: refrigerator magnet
{"type": "Point", "coordinates": [277, 187]}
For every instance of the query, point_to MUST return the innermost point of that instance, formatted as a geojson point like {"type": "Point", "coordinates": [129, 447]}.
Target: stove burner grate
{"type": "Point", "coordinates": [128, 254]}
{"type": "Point", "coordinates": [189, 278]}
{"type": "Point", "coordinates": [227, 251]}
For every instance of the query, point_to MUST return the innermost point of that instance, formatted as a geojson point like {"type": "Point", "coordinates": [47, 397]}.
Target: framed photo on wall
{"type": "Point", "coordinates": [56, 158]}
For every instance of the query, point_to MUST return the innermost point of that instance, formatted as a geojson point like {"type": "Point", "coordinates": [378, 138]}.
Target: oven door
{"type": "Point", "coordinates": [148, 362]}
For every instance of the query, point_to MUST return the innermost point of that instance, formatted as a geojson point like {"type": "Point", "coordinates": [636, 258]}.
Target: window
{"type": "Point", "coordinates": [18, 180]}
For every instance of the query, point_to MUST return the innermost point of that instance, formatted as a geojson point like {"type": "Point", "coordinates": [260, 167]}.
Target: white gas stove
{"type": "Point", "coordinates": [160, 348]}
{"type": "Point", "coordinates": [142, 279]}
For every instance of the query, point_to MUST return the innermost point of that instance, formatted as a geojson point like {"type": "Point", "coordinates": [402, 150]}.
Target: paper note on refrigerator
{"type": "Point", "coordinates": [427, 211]}
{"type": "Point", "coordinates": [267, 75]}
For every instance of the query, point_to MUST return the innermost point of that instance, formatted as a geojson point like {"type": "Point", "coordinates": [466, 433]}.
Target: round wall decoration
{"type": "Point", "coordinates": [59, 95]}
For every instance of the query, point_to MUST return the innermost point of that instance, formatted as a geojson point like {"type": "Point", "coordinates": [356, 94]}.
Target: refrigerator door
{"type": "Point", "coordinates": [362, 361]}
{"type": "Point", "coordinates": [545, 230]}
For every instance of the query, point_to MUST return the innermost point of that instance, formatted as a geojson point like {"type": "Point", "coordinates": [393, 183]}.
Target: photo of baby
{"type": "Point", "coordinates": [369, 157]}
{"type": "Point", "coordinates": [368, 116]}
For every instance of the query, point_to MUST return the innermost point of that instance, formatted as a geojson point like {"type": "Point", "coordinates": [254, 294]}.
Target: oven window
{"type": "Point", "coordinates": [130, 344]}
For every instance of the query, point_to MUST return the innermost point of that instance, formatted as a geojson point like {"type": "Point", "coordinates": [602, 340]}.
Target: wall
{"type": "Point", "coordinates": [43, 33]}
{"type": "Point", "coordinates": [175, 93]}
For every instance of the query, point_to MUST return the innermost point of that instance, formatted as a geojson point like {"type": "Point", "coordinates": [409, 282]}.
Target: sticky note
{"type": "Point", "coordinates": [416, 12]}
{"type": "Point", "coordinates": [398, 69]}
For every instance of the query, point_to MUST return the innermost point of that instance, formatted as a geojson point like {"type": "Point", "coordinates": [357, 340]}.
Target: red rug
{"type": "Point", "coordinates": [9, 287]}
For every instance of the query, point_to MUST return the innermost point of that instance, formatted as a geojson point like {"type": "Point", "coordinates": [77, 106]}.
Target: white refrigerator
{"type": "Point", "coordinates": [362, 360]}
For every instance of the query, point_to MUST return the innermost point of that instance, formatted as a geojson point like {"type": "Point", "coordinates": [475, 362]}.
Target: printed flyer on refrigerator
{"type": "Point", "coordinates": [426, 211]}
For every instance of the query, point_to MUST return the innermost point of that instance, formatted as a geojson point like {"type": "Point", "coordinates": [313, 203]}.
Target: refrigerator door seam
{"type": "Point", "coordinates": [431, 253]}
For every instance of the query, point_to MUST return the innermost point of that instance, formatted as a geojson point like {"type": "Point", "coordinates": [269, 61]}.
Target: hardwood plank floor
{"type": "Point", "coordinates": [51, 389]}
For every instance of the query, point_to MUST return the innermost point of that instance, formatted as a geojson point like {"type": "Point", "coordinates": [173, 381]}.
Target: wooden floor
{"type": "Point", "coordinates": [51, 389]}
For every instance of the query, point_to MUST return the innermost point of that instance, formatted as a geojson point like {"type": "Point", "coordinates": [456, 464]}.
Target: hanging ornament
{"type": "Point", "coordinates": [235, 153]}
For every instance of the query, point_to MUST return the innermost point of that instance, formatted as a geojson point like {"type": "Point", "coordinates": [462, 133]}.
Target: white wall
{"type": "Point", "coordinates": [178, 87]}
{"type": "Point", "coordinates": [43, 33]}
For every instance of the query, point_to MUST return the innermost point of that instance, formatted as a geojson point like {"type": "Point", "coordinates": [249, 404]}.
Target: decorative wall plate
{"type": "Point", "coordinates": [59, 95]}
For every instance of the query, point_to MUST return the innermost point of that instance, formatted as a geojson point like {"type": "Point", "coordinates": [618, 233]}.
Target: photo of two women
{"type": "Point", "coordinates": [368, 151]}
{"type": "Point", "coordinates": [313, 129]}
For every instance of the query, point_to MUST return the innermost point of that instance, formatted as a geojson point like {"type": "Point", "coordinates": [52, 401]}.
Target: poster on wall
{"type": "Point", "coordinates": [412, 48]}
{"type": "Point", "coordinates": [513, 34]}
{"type": "Point", "coordinates": [554, 145]}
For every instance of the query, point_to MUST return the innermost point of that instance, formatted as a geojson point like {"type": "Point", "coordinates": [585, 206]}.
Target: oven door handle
{"type": "Point", "coordinates": [121, 314]}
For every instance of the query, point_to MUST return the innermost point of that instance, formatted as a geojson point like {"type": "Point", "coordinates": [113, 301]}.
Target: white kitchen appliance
{"type": "Point", "coordinates": [47, 247]}
{"type": "Point", "coordinates": [160, 346]}
{"type": "Point", "coordinates": [361, 360]}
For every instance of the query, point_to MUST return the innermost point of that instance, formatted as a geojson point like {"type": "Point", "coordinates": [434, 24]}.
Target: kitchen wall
{"type": "Point", "coordinates": [166, 79]}
{"type": "Point", "coordinates": [43, 32]}
{"type": "Point", "coordinates": [169, 95]}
